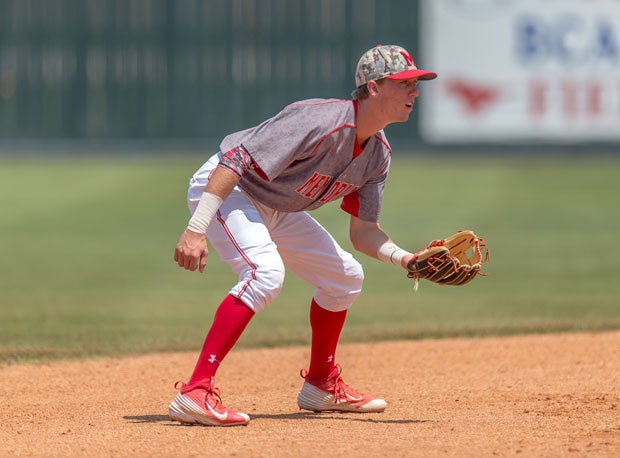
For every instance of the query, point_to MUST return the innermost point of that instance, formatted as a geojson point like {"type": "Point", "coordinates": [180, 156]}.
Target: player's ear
{"type": "Point", "coordinates": [373, 87]}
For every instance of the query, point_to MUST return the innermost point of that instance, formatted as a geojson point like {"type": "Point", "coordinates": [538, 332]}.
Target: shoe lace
{"type": "Point", "coordinates": [207, 385]}
{"type": "Point", "coordinates": [342, 391]}
{"type": "Point", "coordinates": [335, 385]}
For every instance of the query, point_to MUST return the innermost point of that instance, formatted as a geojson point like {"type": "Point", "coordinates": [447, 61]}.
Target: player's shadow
{"type": "Point", "coordinates": [147, 418]}
{"type": "Point", "coordinates": [331, 416]}
{"type": "Point", "coordinates": [283, 416]}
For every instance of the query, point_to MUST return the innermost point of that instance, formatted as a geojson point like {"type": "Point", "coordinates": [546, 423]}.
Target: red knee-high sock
{"type": "Point", "coordinates": [231, 318]}
{"type": "Point", "coordinates": [326, 327]}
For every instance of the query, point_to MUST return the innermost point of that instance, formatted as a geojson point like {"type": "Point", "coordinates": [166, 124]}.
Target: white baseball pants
{"type": "Point", "coordinates": [259, 243]}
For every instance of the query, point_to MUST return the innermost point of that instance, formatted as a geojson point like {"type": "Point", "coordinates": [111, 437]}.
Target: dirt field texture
{"type": "Point", "coordinates": [543, 395]}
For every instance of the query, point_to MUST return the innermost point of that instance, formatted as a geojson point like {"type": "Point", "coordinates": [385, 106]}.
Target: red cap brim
{"type": "Point", "coordinates": [419, 74]}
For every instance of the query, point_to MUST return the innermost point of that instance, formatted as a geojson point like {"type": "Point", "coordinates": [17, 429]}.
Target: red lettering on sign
{"type": "Point", "coordinates": [569, 93]}
{"type": "Point", "coordinates": [537, 98]}
{"type": "Point", "coordinates": [594, 99]}
{"type": "Point", "coordinates": [572, 100]}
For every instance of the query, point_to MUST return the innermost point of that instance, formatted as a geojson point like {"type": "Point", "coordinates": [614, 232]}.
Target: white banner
{"type": "Point", "coordinates": [520, 70]}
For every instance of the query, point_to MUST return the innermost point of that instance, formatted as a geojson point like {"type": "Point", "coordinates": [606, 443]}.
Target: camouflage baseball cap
{"type": "Point", "coordinates": [388, 61]}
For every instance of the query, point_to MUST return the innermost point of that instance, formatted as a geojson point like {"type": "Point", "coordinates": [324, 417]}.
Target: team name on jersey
{"type": "Point", "coordinates": [316, 185]}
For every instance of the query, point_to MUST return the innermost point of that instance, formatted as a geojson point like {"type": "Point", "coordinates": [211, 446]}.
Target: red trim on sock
{"type": "Point", "coordinates": [326, 329]}
{"type": "Point", "coordinates": [229, 322]}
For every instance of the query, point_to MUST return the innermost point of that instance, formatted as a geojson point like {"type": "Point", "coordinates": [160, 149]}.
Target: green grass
{"type": "Point", "coordinates": [87, 244]}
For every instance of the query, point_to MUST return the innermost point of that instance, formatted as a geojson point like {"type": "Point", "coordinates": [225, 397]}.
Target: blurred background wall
{"type": "Point", "coordinates": [511, 72]}
{"type": "Point", "coordinates": [179, 68]}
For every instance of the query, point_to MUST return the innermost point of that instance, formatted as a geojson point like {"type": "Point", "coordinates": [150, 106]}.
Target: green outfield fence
{"type": "Point", "coordinates": [151, 69]}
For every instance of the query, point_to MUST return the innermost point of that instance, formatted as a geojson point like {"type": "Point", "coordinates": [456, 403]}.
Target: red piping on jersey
{"type": "Point", "coordinates": [357, 149]}
{"type": "Point", "coordinates": [378, 137]}
{"type": "Point", "coordinates": [325, 102]}
{"type": "Point", "coordinates": [351, 126]}
{"type": "Point", "coordinates": [243, 255]}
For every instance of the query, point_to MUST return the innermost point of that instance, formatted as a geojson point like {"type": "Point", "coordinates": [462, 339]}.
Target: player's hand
{"type": "Point", "coordinates": [406, 260]}
{"type": "Point", "coordinates": [191, 251]}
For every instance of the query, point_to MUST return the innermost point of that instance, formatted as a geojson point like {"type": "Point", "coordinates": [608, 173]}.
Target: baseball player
{"type": "Point", "coordinates": [251, 201]}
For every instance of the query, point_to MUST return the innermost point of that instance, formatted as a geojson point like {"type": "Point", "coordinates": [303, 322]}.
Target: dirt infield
{"type": "Point", "coordinates": [549, 395]}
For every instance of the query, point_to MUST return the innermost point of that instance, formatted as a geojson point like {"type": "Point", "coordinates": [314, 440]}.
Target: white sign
{"type": "Point", "coordinates": [520, 70]}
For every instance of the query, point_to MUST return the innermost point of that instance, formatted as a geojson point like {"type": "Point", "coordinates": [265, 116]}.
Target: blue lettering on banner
{"type": "Point", "coordinates": [567, 40]}
{"type": "Point", "coordinates": [608, 47]}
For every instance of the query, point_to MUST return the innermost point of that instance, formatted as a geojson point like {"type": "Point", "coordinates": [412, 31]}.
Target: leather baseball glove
{"type": "Point", "coordinates": [455, 260]}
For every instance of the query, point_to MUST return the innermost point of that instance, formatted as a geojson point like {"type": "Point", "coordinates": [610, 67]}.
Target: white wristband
{"type": "Point", "coordinates": [204, 213]}
{"type": "Point", "coordinates": [391, 253]}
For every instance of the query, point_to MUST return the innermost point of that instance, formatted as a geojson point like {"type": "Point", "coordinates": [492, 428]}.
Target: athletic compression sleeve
{"type": "Point", "coordinates": [237, 160]}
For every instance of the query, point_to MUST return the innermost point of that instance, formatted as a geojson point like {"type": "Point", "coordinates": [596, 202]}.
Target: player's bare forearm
{"type": "Point", "coordinates": [368, 238]}
{"type": "Point", "coordinates": [222, 182]}
{"type": "Point", "coordinates": [191, 251]}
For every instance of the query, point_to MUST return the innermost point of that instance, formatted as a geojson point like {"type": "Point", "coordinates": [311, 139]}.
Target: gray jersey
{"type": "Point", "coordinates": [307, 155]}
